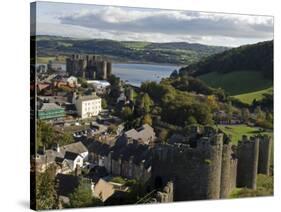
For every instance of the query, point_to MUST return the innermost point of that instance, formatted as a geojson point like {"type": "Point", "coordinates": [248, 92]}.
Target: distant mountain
{"type": "Point", "coordinates": [127, 51]}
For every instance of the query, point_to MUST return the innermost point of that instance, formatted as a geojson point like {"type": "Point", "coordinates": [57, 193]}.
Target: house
{"type": "Point", "coordinates": [66, 158]}
{"type": "Point", "coordinates": [87, 106]}
{"type": "Point", "coordinates": [130, 160]}
{"type": "Point", "coordinates": [50, 111]}
{"type": "Point", "coordinates": [145, 134]}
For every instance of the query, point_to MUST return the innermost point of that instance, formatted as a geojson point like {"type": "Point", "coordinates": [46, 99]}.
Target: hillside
{"type": "Point", "coordinates": [238, 82]}
{"type": "Point", "coordinates": [239, 70]}
{"type": "Point", "coordinates": [127, 51]}
{"type": "Point", "coordinates": [248, 98]}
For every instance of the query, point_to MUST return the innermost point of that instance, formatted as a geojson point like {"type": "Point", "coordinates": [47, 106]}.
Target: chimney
{"type": "Point", "coordinates": [58, 147]}
{"type": "Point", "coordinates": [74, 97]}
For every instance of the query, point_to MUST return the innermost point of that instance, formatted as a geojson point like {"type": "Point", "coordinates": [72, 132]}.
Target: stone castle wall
{"type": "Point", "coordinates": [197, 170]}
{"type": "Point", "coordinates": [248, 156]}
{"type": "Point", "coordinates": [265, 148]}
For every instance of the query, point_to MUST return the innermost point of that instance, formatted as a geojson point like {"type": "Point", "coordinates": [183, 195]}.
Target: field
{"type": "Point", "coordinates": [238, 82]}
{"type": "Point", "coordinates": [249, 97]}
{"type": "Point", "coordinates": [46, 59]}
{"type": "Point", "coordinates": [237, 131]}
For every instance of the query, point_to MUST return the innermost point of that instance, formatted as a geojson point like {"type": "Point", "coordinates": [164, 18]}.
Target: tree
{"type": "Point", "coordinates": [45, 134]}
{"type": "Point", "coordinates": [45, 190]}
{"type": "Point", "coordinates": [191, 121]}
{"type": "Point", "coordinates": [104, 103]}
{"type": "Point", "coordinates": [147, 119]}
{"type": "Point", "coordinates": [82, 196]}
{"type": "Point", "coordinates": [163, 134]}
{"type": "Point", "coordinates": [65, 138]}
{"type": "Point", "coordinates": [83, 82]}
{"type": "Point", "coordinates": [245, 113]}
{"type": "Point", "coordinates": [127, 113]}
{"type": "Point", "coordinates": [212, 102]}
{"type": "Point", "coordinates": [112, 128]}
{"type": "Point", "coordinates": [145, 103]}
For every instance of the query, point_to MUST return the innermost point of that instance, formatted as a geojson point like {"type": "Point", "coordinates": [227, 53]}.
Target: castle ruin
{"type": "Point", "coordinates": [208, 166]}
{"type": "Point", "coordinates": [91, 67]}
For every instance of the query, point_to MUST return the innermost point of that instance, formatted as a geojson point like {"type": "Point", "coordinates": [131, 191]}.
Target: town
{"type": "Point", "coordinates": [98, 134]}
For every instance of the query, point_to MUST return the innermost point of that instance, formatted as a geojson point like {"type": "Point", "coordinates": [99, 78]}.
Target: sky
{"type": "Point", "coordinates": [86, 21]}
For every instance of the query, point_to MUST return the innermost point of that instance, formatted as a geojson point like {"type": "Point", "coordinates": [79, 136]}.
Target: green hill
{"type": "Point", "coordinates": [246, 70]}
{"type": "Point", "coordinates": [127, 51]}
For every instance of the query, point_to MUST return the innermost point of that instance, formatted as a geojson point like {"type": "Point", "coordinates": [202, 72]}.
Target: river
{"type": "Point", "coordinates": [135, 74]}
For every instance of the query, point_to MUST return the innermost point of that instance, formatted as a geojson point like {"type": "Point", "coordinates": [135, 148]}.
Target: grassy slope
{"type": "Point", "coordinates": [236, 131]}
{"type": "Point", "coordinates": [238, 82]}
{"type": "Point", "coordinates": [249, 97]}
{"type": "Point", "coordinates": [264, 188]}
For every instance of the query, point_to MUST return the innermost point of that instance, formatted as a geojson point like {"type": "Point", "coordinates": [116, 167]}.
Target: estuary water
{"type": "Point", "coordinates": [135, 74]}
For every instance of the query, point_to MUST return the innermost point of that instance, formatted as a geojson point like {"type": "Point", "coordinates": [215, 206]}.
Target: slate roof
{"type": "Point", "coordinates": [70, 156]}
{"type": "Point", "coordinates": [49, 106]}
{"type": "Point", "coordinates": [77, 147]}
{"type": "Point", "coordinates": [88, 97]}
{"type": "Point", "coordinates": [144, 133]}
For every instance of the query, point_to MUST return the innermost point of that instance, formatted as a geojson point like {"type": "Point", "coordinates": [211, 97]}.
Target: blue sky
{"type": "Point", "coordinates": [154, 25]}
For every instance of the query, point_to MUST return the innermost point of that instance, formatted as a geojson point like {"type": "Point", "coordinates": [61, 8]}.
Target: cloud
{"type": "Point", "coordinates": [172, 22]}
{"type": "Point", "coordinates": [154, 25]}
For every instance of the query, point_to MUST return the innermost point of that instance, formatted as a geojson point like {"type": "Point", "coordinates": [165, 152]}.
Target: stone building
{"type": "Point", "coordinates": [90, 67]}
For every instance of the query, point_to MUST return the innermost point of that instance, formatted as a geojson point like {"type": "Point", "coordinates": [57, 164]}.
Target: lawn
{"type": "Point", "coordinates": [237, 131]}
{"type": "Point", "coordinates": [249, 97]}
{"type": "Point", "coordinates": [238, 82]}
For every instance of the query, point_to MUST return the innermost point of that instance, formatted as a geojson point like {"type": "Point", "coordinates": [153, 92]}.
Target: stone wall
{"type": "Point", "coordinates": [197, 170]}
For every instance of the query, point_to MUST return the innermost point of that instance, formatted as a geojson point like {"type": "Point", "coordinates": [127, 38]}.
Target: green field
{"type": "Point", "coordinates": [238, 82]}
{"type": "Point", "coordinates": [249, 97]}
{"type": "Point", "coordinates": [237, 131]}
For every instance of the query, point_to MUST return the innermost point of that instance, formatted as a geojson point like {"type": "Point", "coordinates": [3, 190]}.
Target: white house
{"type": "Point", "coordinates": [87, 106]}
{"type": "Point", "coordinates": [68, 157]}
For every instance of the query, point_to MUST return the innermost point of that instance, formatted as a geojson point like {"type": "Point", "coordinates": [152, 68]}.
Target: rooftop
{"type": "Point", "coordinates": [50, 106]}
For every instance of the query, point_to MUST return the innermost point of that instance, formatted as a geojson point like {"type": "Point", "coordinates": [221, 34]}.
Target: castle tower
{"type": "Point", "coordinates": [214, 155]}
{"type": "Point", "coordinates": [226, 171]}
{"type": "Point", "coordinates": [196, 172]}
{"type": "Point", "coordinates": [109, 68]}
{"type": "Point", "coordinates": [264, 154]}
{"type": "Point", "coordinates": [248, 156]}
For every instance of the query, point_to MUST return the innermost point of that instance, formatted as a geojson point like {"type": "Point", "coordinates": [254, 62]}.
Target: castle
{"type": "Point", "coordinates": [208, 166]}
{"type": "Point", "coordinates": [91, 67]}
